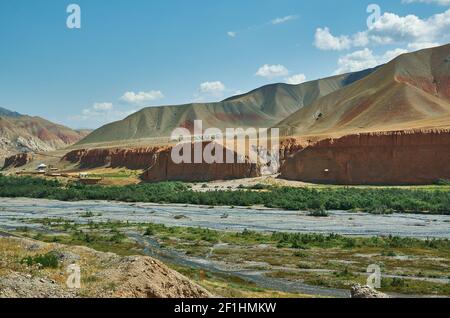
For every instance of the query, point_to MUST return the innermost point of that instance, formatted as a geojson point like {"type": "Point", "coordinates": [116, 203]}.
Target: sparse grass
{"type": "Point", "coordinates": [87, 214]}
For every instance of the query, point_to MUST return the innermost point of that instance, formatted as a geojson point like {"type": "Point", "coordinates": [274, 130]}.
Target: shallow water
{"type": "Point", "coordinates": [262, 220]}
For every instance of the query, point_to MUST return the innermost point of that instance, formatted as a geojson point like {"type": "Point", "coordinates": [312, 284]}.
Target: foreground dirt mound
{"type": "Point", "coordinates": [18, 285]}
{"type": "Point", "coordinates": [103, 275]}
{"type": "Point", "coordinates": [400, 157]}
{"type": "Point", "coordinates": [143, 277]}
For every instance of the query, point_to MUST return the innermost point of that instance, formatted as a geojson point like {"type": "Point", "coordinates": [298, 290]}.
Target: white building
{"type": "Point", "coordinates": [41, 167]}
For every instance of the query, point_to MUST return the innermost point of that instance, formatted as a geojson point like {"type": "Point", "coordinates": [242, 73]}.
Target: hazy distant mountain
{"type": "Point", "coordinates": [412, 91]}
{"type": "Point", "coordinates": [260, 108]}
{"type": "Point", "coordinates": [7, 113]}
{"type": "Point", "coordinates": [21, 133]}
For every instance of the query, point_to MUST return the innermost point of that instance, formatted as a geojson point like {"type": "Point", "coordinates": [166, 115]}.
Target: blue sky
{"type": "Point", "coordinates": [135, 53]}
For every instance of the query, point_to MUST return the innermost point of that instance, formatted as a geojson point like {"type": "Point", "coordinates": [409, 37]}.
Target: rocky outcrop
{"type": "Point", "coordinates": [398, 157]}
{"type": "Point", "coordinates": [158, 165]}
{"type": "Point", "coordinates": [359, 291]}
{"type": "Point", "coordinates": [18, 160]}
{"type": "Point", "coordinates": [290, 146]}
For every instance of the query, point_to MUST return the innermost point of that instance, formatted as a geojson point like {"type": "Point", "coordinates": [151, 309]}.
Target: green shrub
{"type": "Point", "coordinates": [149, 232]}
{"type": "Point", "coordinates": [372, 200]}
{"type": "Point", "coordinates": [443, 182]}
{"type": "Point", "coordinates": [49, 260]}
{"type": "Point", "coordinates": [319, 213]}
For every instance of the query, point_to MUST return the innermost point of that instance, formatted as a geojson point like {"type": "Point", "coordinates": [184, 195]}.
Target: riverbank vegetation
{"type": "Point", "coordinates": [409, 265]}
{"type": "Point", "coordinates": [373, 200]}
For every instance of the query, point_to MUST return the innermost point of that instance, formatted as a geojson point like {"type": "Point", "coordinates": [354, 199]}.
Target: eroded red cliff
{"type": "Point", "coordinates": [400, 157]}
{"type": "Point", "coordinates": [158, 165]}
{"type": "Point", "coordinates": [18, 160]}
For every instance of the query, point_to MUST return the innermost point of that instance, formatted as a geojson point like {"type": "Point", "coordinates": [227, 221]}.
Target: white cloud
{"type": "Point", "coordinates": [100, 114]}
{"type": "Point", "coordinates": [296, 79]}
{"type": "Point", "coordinates": [439, 2]}
{"type": "Point", "coordinates": [102, 106]}
{"type": "Point", "coordinates": [231, 34]}
{"type": "Point", "coordinates": [364, 59]}
{"type": "Point", "coordinates": [324, 40]}
{"type": "Point", "coordinates": [212, 87]}
{"type": "Point", "coordinates": [141, 97]}
{"type": "Point", "coordinates": [283, 19]}
{"type": "Point", "coordinates": [210, 91]}
{"type": "Point", "coordinates": [390, 29]}
{"type": "Point", "coordinates": [421, 45]}
{"type": "Point", "coordinates": [272, 71]}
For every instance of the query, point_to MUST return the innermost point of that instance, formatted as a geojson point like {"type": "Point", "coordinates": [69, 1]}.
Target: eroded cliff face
{"type": "Point", "coordinates": [403, 157]}
{"type": "Point", "coordinates": [18, 160]}
{"type": "Point", "coordinates": [289, 147]}
{"type": "Point", "coordinates": [166, 169]}
{"type": "Point", "coordinates": [134, 159]}
{"type": "Point", "coordinates": [158, 165]}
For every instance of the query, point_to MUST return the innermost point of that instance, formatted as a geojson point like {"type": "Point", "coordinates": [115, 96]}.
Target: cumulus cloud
{"type": "Point", "coordinates": [324, 40]}
{"type": "Point", "coordinates": [364, 59]}
{"type": "Point", "coordinates": [216, 87]}
{"type": "Point", "coordinates": [272, 71]}
{"type": "Point", "coordinates": [283, 19]}
{"type": "Point", "coordinates": [231, 34]}
{"type": "Point", "coordinates": [421, 45]}
{"type": "Point", "coordinates": [210, 91]}
{"type": "Point", "coordinates": [141, 97]}
{"type": "Point", "coordinates": [100, 114]}
{"type": "Point", "coordinates": [102, 106]}
{"type": "Point", "coordinates": [296, 79]}
{"type": "Point", "coordinates": [390, 29]}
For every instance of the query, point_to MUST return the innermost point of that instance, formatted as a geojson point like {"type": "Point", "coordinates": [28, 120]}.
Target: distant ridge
{"type": "Point", "coordinates": [411, 91]}
{"type": "Point", "coordinates": [260, 108]}
{"type": "Point", "coordinates": [22, 133]}
{"type": "Point", "coordinates": [7, 113]}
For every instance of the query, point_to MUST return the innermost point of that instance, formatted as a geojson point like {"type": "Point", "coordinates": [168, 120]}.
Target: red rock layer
{"type": "Point", "coordinates": [159, 166]}
{"type": "Point", "coordinates": [165, 169]}
{"type": "Point", "coordinates": [404, 157]}
{"type": "Point", "coordinates": [134, 159]}
{"type": "Point", "coordinates": [18, 160]}
{"type": "Point", "coordinates": [438, 86]}
{"type": "Point", "coordinates": [289, 147]}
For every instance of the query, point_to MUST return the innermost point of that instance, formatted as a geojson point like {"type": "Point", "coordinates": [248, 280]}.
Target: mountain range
{"type": "Point", "coordinates": [22, 133]}
{"type": "Point", "coordinates": [260, 108]}
{"type": "Point", "coordinates": [411, 91]}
